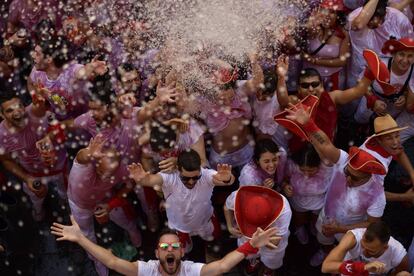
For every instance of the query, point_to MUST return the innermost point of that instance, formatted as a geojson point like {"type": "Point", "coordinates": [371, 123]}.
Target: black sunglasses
{"type": "Point", "coordinates": [306, 85]}
{"type": "Point", "coordinates": [353, 177]}
{"type": "Point", "coordinates": [188, 178]}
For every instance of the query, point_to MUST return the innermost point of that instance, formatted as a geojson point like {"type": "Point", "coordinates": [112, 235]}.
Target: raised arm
{"type": "Point", "coordinates": [73, 233]}
{"type": "Point", "coordinates": [318, 138]}
{"type": "Point", "coordinates": [141, 177]}
{"type": "Point", "coordinates": [256, 82]}
{"type": "Point", "coordinates": [335, 258]}
{"type": "Point", "coordinates": [343, 97]}
{"type": "Point", "coordinates": [401, 5]}
{"type": "Point", "coordinates": [362, 19]}
{"type": "Point", "coordinates": [282, 91]}
{"type": "Point", "coordinates": [282, 66]}
{"type": "Point", "coordinates": [260, 238]}
{"type": "Point", "coordinates": [92, 152]}
{"type": "Point", "coordinates": [223, 177]}
{"type": "Point", "coordinates": [165, 94]}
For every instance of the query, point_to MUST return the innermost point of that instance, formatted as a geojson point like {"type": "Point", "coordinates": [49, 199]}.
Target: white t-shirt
{"type": "Point", "coordinates": [151, 268]}
{"type": "Point", "coordinates": [395, 24]}
{"type": "Point", "coordinates": [349, 205]}
{"type": "Point", "coordinates": [188, 210]}
{"type": "Point", "coordinates": [392, 257]}
{"type": "Point", "coordinates": [263, 112]}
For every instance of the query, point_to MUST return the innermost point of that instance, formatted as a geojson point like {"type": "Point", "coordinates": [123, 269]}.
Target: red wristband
{"type": "Point", "coordinates": [115, 202]}
{"type": "Point", "coordinates": [353, 268]}
{"type": "Point", "coordinates": [371, 99]}
{"type": "Point", "coordinates": [247, 249]}
{"type": "Point", "coordinates": [310, 127]}
{"type": "Point", "coordinates": [58, 133]}
{"type": "Point", "coordinates": [368, 74]}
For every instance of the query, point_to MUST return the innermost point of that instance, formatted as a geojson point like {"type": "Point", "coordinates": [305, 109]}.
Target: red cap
{"type": "Point", "coordinates": [336, 5]}
{"type": "Point", "coordinates": [256, 206]}
{"type": "Point", "coordinates": [362, 161]}
{"type": "Point", "coordinates": [310, 101]}
{"type": "Point", "coordinates": [393, 45]}
{"type": "Point", "coordinates": [380, 71]}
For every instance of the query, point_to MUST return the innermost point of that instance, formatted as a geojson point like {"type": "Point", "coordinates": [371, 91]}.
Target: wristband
{"type": "Point", "coordinates": [371, 99]}
{"type": "Point", "coordinates": [228, 181]}
{"type": "Point", "coordinates": [368, 74]}
{"type": "Point", "coordinates": [310, 127]}
{"type": "Point", "coordinates": [247, 249]}
{"type": "Point", "coordinates": [353, 268]}
{"type": "Point", "coordinates": [58, 133]}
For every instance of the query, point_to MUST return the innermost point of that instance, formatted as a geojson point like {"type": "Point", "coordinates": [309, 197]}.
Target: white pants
{"type": "Point", "coordinates": [84, 217]}
{"type": "Point", "coordinates": [57, 179]}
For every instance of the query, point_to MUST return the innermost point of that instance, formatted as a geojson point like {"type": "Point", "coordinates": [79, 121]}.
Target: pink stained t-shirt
{"type": "Point", "coordinates": [124, 136]}
{"type": "Point", "coordinates": [263, 113]}
{"type": "Point", "coordinates": [308, 192]}
{"type": "Point", "coordinates": [86, 190]}
{"type": "Point", "coordinates": [252, 175]}
{"type": "Point", "coordinates": [21, 146]}
{"type": "Point", "coordinates": [349, 205]}
{"type": "Point", "coordinates": [68, 97]}
{"type": "Point", "coordinates": [328, 51]}
{"type": "Point", "coordinates": [395, 24]}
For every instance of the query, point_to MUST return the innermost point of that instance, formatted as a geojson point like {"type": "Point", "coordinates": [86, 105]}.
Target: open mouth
{"type": "Point", "coordinates": [170, 260]}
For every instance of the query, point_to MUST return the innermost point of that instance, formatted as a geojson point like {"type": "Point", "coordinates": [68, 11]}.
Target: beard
{"type": "Point", "coordinates": [170, 259]}
{"type": "Point", "coordinates": [20, 122]}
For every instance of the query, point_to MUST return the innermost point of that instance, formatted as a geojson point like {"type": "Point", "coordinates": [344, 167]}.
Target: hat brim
{"type": "Point", "coordinates": [380, 71]}
{"type": "Point", "coordinates": [387, 132]}
{"type": "Point", "coordinates": [392, 45]}
{"type": "Point", "coordinates": [245, 192]}
{"type": "Point", "coordinates": [310, 101]}
{"type": "Point", "coordinates": [371, 166]}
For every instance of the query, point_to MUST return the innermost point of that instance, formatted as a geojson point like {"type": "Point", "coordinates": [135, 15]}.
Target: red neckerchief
{"type": "Point", "coordinates": [375, 146]}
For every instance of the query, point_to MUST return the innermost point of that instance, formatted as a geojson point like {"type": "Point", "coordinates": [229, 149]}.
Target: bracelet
{"type": "Point", "coordinates": [353, 268]}
{"type": "Point", "coordinates": [247, 249]}
{"type": "Point", "coordinates": [228, 181]}
{"type": "Point", "coordinates": [310, 127]}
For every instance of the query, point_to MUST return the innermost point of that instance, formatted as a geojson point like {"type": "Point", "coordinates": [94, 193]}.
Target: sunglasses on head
{"type": "Point", "coordinates": [166, 245]}
{"type": "Point", "coordinates": [306, 85]}
{"type": "Point", "coordinates": [353, 177]}
{"type": "Point", "coordinates": [187, 178]}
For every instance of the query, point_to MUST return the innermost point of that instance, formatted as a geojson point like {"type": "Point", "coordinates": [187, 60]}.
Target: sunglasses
{"type": "Point", "coordinates": [306, 85]}
{"type": "Point", "coordinates": [187, 178]}
{"type": "Point", "coordinates": [166, 245]}
{"type": "Point", "coordinates": [353, 177]}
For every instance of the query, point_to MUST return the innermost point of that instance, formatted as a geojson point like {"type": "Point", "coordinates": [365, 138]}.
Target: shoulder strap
{"type": "Point", "coordinates": [322, 45]}
{"type": "Point", "coordinates": [407, 80]}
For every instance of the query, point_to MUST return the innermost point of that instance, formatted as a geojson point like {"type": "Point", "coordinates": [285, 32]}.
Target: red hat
{"type": "Point", "coordinates": [310, 101]}
{"type": "Point", "coordinates": [380, 71]}
{"type": "Point", "coordinates": [362, 161]}
{"type": "Point", "coordinates": [336, 5]}
{"type": "Point", "coordinates": [225, 75]}
{"type": "Point", "coordinates": [256, 206]}
{"type": "Point", "coordinates": [393, 45]}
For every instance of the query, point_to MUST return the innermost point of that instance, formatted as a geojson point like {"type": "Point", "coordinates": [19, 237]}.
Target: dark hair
{"type": "Point", "coordinates": [262, 146]}
{"type": "Point", "coordinates": [161, 137]}
{"type": "Point", "coordinates": [380, 9]}
{"type": "Point", "coordinates": [270, 81]}
{"type": "Point", "coordinates": [378, 230]}
{"type": "Point", "coordinates": [6, 96]}
{"type": "Point", "coordinates": [189, 160]}
{"type": "Point", "coordinates": [307, 157]}
{"type": "Point", "coordinates": [102, 90]}
{"type": "Point", "coordinates": [309, 72]}
{"type": "Point", "coordinates": [45, 30]}
{"type": "Point", "coordinates": [166, 231]}
{"type": "Point", "coordinates": [58, 49]}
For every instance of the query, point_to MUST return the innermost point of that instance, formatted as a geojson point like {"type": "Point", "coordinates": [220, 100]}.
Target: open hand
{"type": "Point", "coordinates": [223, 173]}
{"type": "Point", "coordinates": [298, 113]}
{"type": "Point", "coordinates": [375, 267]}
{"type": "Point", "coordinates": [95, 147]}
{"type": "Point", "coordinates": [267, 238]}
{"type": "Point", "coordinates": [168, 165]}
{"type": "Point", "coordinates": [67, 232]}
{"type": "Point", "coordinates": [282, 65]}
{"type": "Point", "coordinates": [137, 172]}
{"type": "Point", "coordinates": [167, 94]}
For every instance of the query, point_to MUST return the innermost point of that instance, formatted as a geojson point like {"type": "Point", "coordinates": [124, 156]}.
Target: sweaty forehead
{"type": "Point", "coordinates": [12, 103]}
{"type": "Point", "coordinates": [309, 79]}
{"type": "Point", "coordinates": [169, 238]}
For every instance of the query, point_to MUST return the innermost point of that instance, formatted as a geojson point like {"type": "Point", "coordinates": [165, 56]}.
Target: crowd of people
{"type": "Point", "coordinates": [300, 142]}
